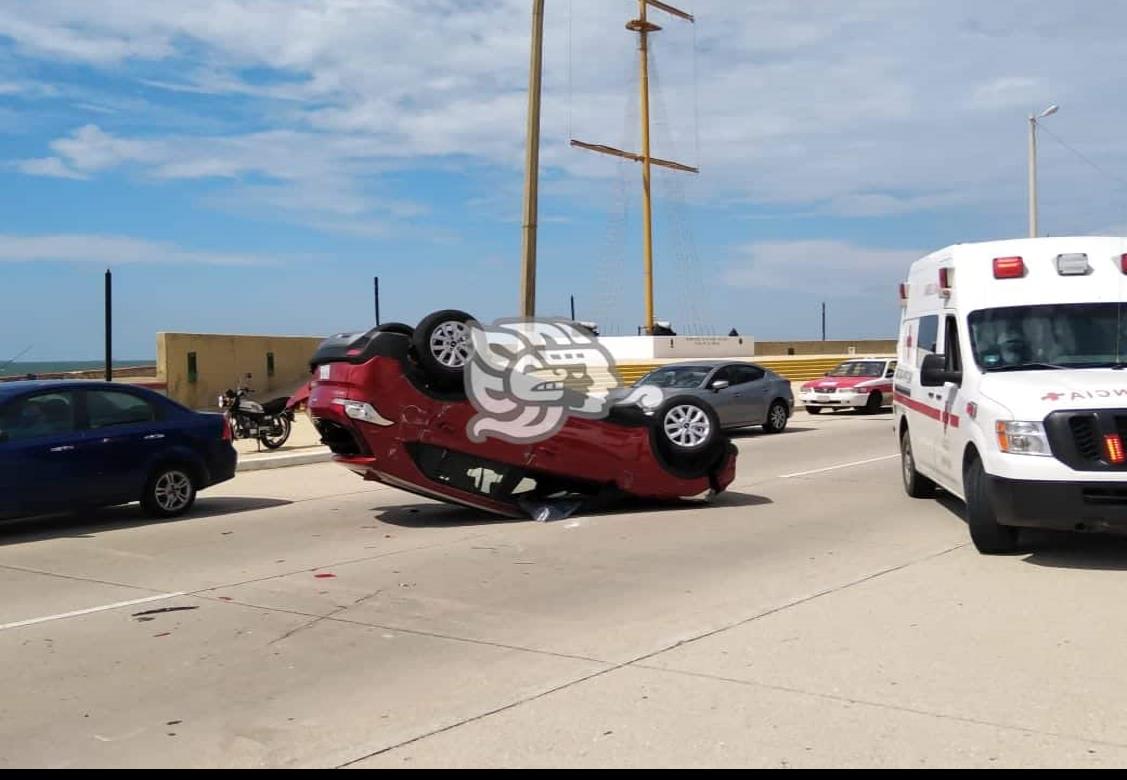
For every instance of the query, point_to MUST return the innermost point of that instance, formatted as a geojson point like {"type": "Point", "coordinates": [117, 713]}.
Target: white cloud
{"type": "Point", "coordinates": [111, 251]}
{"type": "Point", "coordinates": [861, 109]}
{"type": "Point", "coordinates": [1009, 92]}
{"type": "Point", "coordinates": [830, 268]}
{"type": "Point", "coordinates": [49, 166]}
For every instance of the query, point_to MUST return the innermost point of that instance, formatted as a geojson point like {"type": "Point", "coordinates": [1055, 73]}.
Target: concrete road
{"type": "Point", "coordinates": [812, 616]}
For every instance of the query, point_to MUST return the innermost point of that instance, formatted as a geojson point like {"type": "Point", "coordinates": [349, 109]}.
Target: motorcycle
{"type": "Point", "coordinates": [270, 423]}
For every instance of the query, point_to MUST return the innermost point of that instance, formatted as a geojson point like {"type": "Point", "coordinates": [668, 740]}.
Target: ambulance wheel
{"type": "Point", "coordinates": [916, 484]}
{"type": "Point", "coordinates": [988, 535]}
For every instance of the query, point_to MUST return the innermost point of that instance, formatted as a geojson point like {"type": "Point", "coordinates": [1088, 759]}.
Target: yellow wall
{"type": "Point", "coordinates": [222, 359]}
{"type": "Point", "coordinates": [862, 347]}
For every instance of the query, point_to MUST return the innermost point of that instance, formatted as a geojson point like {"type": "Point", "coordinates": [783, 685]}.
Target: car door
{"type": "Point", "coordinates": [45, 462]}
{"type": "Point", "coordinates": [754, 389]}
{"type": "Point", "coordinates": [726, 401]}
{"type": "Point", "coordinates": [952, 439]}
{"type": "Point", "coordinates": [922, 406]}
{"type": "Point", "coordinates": [128, 433]}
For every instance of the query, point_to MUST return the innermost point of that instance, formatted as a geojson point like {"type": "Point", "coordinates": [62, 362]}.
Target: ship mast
{"type": "Point", "coordinates": [644, 27]}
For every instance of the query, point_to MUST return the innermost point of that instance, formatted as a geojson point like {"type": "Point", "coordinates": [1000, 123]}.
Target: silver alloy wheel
{"type": "Point", "coordinates": [778, 417]}
{"type": "Point", "coordinates": [450, 344]}
{"type": "Point", "coordinates": [687, 425]}
{"type": "Point", "coordinates": [173, 491]}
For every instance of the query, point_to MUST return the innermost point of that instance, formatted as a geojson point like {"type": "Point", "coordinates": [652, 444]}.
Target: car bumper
{"type": "Point", "coordinates": [222, 466]}
{"type": "Point", "coordinates": [834, 400]}
{"type": "Point", "coordinates": [1062, 506]}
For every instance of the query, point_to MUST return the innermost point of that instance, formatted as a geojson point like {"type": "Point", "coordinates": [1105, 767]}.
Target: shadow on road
{"type": "Point", "coordinates": [1062, 550]}
{"type": "Point", "coordinates": [87, 523]}
{"type": "Point", "coordinates": [755, 433]}
{"type": "Point", "coordinates": [1059, 549]}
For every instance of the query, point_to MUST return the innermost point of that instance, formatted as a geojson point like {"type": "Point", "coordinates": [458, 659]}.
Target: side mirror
{"type": "Point", "coordinates": [934, 373]}
{"type": "Point", "coordinates": [720, 384]}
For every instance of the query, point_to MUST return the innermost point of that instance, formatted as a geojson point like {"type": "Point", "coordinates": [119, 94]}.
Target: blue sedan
{"type": "Point", "coordinates": [70, 445]}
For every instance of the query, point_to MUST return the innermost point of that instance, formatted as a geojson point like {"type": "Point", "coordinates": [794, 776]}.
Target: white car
{"type": "Point", "coordinates": [863, 383]}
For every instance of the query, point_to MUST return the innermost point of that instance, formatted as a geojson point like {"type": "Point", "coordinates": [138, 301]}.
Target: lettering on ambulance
{"type": "Point", "coordinates": [1078, 395]}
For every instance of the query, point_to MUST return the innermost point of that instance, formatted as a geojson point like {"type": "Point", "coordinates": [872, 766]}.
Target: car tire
{"type": "Point", "coordinates": [442, 346]}
{"type": "Point", "coordinates": [813, 410]}
{"type": "Point", "coordinates": [875, 403]}
{"type": "Point", "coordinates": [170, 491]}
{"type": "Point", "coordinates": [688, 436]}
{"type": "Point", "coordinates": [916, 484]}
{"type": "Point", "coordinates": [777, 417]}
{"type": "Point", "coordinates": [989, 536]}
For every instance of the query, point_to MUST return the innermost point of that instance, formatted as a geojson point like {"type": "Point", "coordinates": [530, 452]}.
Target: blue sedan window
{"type": "Point", "coordinates": [106, 408]}
{"type": "Point", "coordinates": [37, 417]}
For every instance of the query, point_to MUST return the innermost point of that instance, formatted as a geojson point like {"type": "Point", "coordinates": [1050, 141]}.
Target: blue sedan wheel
{"type": "Point", "coordinates": [170, 492]}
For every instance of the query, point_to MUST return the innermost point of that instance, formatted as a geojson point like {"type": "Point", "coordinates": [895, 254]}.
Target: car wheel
{"type": "Point", "coordinates": [688, 425]}
{"type": "Point", "coordinates": [170, 492]}
{"type": "Point", "coordinates": [813, 410]}
{"type": "Point", "coordinates": [777, 417]}
{"type": "Point", "coordinates": [442, 345]}
{"type": "Point", "coordinates": [988, 535]}
{"type": "Point", "coordinates": [875, 402]}
{"type": "Point", "coordinates": [688, 436]}
{"type": "Point", "coordinates": [916, 484]}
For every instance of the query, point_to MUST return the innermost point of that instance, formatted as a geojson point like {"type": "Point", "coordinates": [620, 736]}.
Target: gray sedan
{"type": "Point", "coordinates": [742, 394]}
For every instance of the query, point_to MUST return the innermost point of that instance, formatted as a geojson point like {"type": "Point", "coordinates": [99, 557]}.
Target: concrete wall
{"type": "Point", "coordinates": [222, 359]}
{"type": "Point", "coordinates": [677, 347]}
{"type": "Point", "coordinates": [859, 347]}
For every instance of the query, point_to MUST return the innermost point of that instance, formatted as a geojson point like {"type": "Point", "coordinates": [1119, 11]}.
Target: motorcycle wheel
{"type": "Point", "coordinates": [273, 442]}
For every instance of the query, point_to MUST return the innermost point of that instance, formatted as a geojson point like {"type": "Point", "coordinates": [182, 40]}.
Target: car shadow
{"type": "Point", "coordinates": [1059, 549]}
{"type": "Point", "coordinates": [86, 523]}
{"type": "Point", "coordinates": [1070, 550]}
{"type": "Point", "coordinates": [427, 515]}
{"type": "Point", "coordinates": [755, 433]}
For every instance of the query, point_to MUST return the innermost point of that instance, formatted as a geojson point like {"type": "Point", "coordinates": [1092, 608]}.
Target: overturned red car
{"type": "Point", "coordinates": [391, 405]}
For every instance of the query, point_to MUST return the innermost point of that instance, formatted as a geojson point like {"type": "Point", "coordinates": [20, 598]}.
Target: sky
{"type": "Point", "coordinates": [247, 166]}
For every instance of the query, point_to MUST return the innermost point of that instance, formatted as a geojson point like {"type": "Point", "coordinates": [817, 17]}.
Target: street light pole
{"type": "Point", "coordinates": [1033, 166]}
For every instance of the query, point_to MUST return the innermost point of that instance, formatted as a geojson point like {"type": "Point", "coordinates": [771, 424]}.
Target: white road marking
{"type": "Point", "coordinates": [838, 466]}
{"type": "Point", "coordinates": [90, 611]}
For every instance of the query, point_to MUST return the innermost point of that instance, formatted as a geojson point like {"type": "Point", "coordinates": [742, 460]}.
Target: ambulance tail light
{"type": "Point", "coordinates": [1123, 263]}
{"type": "Point", "coordinates": [1009, 267]}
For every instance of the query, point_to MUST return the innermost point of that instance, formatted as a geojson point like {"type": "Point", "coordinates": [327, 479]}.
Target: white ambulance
{"type": "Point", "coordinates": [1011, 390]}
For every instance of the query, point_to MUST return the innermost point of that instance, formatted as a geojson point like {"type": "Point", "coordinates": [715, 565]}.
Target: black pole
{"type": "Point", "coordinates": [573, 308]}
{"type": "Point", "coordinates": [109, 326]}
{"type": "Point", "coordinates": [376, 284]}
{"type": "Point", "coordinates": [823, 322]}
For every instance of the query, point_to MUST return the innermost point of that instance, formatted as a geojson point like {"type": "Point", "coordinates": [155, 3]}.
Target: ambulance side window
{"type": "Point", "coordinates": [954, 359]}
{"type": "Point", "coordinates": [927, 338]}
